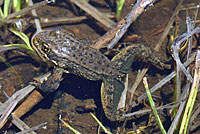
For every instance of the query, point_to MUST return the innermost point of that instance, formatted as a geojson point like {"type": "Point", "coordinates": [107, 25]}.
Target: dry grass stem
{"type": "Point", "coordinates": [192, 97]}
{"type": "Point", "coordinates": [7, 112]}
{"type": "Point", "coordinates": [37, 21]}
{"type": "Point", "coordinates": [168, 106]}
{"type": "Point", "coordinates": [16, 97]}
{"type": "Point", "coordinates": [162, 82]}
{"type": "Point", "coordinates": [68, 19]}
{"type": "Point", "coordinates": [167, 28]}
{"type": "Point", "coordinates": [25, 11]}
{"type": "Point", "coordinates": [20, 124]}
{"type": "Point", "coordinates": [33, 128]}
{"type": "Point", "coordinates": [181, 107]}
{"type": "Point", "coordinates": [94, 13]}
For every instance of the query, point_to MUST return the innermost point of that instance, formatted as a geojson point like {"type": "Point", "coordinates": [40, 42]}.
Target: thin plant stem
{"type": "Point", "coordinates": [192, 96]}
{"type": "Point", "coordinates": [153, 106]}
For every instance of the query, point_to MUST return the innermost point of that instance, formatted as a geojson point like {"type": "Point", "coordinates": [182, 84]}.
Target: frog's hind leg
{"type": "Point", "coordinates": [111, 91]}
{"type": "Point", "coordinates": [125, 58]}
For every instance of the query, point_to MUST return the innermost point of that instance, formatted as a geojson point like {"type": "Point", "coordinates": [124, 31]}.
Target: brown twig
{"type": "Point", "coordinates": [125, 22]}
{"type": "Point", "coordinates": [31, 101]}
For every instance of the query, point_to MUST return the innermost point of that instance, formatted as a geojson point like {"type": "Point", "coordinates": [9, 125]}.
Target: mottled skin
{"type": "Point", "coordinates": [60, 46]}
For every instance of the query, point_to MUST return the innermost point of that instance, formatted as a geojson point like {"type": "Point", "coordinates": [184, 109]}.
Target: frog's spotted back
{"type": "Point", "coordinates": [61, 47]}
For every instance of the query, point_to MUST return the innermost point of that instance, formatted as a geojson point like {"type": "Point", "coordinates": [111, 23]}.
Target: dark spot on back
{"type": "Point", "coordinates": [99, 62]}
{"type": "Point", "coordinates": [102, 56]}
{"type": "Point", "coordinates": [73, 55]}
{"type": "Point", "coordinates": [96, 68]}
{"type": "Point", "coordinates": [84, 63]}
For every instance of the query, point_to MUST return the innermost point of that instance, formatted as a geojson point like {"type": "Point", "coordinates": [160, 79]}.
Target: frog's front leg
{"type": "Point", "coordinates": [111, 91]}
{"type": "Point", "coordinates": [53, 81]}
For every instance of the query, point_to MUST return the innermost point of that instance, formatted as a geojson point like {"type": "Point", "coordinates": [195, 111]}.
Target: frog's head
{"type": "Point", "coordinates": [41, 44]}
{"type": "Point", "coordinates": [46, 42]}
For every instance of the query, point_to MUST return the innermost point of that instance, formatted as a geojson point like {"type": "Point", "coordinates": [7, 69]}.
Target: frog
{"type": "Point", "coordinates": [61, 47]}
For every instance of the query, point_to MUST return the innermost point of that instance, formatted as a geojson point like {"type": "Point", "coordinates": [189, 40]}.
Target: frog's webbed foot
{"type": "Point", "coordinates": [51, 83]}
{"type": "Point", "coordinates": [111, 91]}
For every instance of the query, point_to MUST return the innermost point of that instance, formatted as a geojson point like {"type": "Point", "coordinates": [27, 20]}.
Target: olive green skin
{"type": "Point", "coordinates": [60, 46]}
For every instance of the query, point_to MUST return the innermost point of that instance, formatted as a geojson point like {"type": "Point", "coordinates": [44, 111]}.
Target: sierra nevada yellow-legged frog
{"type": "Point", "coordinates": [60, 46]}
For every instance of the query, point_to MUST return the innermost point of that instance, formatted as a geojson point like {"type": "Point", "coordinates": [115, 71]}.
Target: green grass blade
{"type": "Point", "coordinates": [6, 8]}
{"type": "Point", "coordinates": [100, 124]}
{"type": "Point", "coordinates": [17, 5]}
{"type": "Point", "coordinates": [1, 13]}
{"type": "Point", "coordinates": [153, 106]}
{"type": "Point", "coordinates": [68, 126]}
{"type": "Point", "coordinates": [192, 97]}
{"type": "Point", "coordinates": [16, 45]}
{"type": "Point", "coordinates": [120, 4]}
{"type": "Point", "coordinates": [24, 37]}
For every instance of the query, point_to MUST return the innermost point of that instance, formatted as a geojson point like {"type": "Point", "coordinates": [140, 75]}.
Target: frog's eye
{"type": "Point", "coordinates": [45, 48]}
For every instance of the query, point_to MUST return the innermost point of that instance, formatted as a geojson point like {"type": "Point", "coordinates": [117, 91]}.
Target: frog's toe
{"type": "Point", "coordinates": [36, 82]}
{"type": "Point", "coordinates": [163, 66]}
